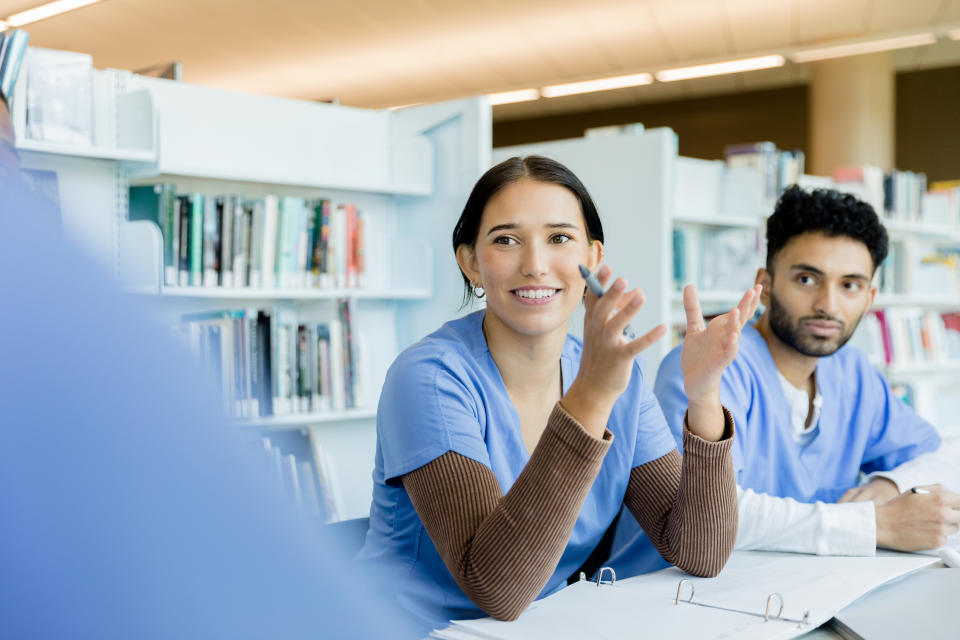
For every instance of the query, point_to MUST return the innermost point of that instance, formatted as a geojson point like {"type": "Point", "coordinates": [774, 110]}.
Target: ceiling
{"type": "Point", "coordinates": [379, 53]}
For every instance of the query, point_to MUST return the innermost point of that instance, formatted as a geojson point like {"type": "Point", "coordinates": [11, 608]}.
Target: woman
{"type": "Point", "coordinates": [505, 447]}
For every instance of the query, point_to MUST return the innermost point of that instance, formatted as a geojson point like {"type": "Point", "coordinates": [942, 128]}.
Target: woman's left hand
{"type": "Point", "coordinates": [707, 351]}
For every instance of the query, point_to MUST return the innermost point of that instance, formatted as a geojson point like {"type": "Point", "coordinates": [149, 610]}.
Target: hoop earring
{"type": "Point", "coordinates": [478, 291]}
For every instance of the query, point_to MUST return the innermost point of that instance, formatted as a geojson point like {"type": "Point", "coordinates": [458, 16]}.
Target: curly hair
{"type": "Point", "coordinates": [825, 211]}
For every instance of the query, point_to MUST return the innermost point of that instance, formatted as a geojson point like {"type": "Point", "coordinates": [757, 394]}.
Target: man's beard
{"type": "Point", "coordinates": [794, 336]}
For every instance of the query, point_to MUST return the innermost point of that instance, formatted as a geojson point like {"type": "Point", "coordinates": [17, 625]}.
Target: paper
{"type": "Point", "coordinates": [645, 605]}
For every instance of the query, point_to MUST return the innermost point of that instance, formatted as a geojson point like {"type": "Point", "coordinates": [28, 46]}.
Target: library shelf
{"type": "Point", "coordinates": [746, 222]}
{"type": "Point", "coordinates": [214, 293]}
{"type": "Point", "coordinates": [145, 156]}
{"type": "Point", "coordinates": [944, 232]}
{"type": "Point", "coordinates": [914, 369]}
{"type": "Point", "coordinates": [303, 420]}
{"type": "Point", "coordinates": [930, 301]}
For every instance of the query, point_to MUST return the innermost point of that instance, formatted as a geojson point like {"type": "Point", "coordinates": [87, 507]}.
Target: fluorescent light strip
{"type": "Point", "coordinates": [46, 11]}
{"type": "Point", "coordinates": [872, 46]}
{"type": "Point", "coordinates": [404, 106]}
{"type": "Point", "coordinates": [509, 97]}
{"type": "Point", "coordinates": [954, 34]}
{"type": "Point", "coordinates": [603, 84]}
{"type": "Point", "coordinates": [720, 68]}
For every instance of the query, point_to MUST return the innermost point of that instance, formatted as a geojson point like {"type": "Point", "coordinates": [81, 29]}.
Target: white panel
{"type": "Point", "coordinates": [220, 134]}
{"type": "Point", "coordinates": [697, 187]}
{"type": "Point", "coordinates": [88, 193]}
{"type": "Point", "coordinates": [461, 133]}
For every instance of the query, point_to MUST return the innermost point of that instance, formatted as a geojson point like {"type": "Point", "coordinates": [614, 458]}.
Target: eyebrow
{"type": "Point", "coordinates": [513, 225]}
{"type": "Point", "coordinates": [814, 270]}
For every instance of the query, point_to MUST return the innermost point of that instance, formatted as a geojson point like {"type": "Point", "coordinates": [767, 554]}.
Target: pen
{"type": "Point", "coordinates": [919, 490]}
{"type": "Point", "coordinates": [597, 289]}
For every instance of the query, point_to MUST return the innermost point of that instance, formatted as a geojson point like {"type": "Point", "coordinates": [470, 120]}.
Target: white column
{"type": "Point", "coordinates": [852, 110]}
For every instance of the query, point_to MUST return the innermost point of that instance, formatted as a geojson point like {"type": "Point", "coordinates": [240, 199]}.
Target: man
{"type": "Point", "coordinates": [812, 414]}
{"type": "Point", "coordinates": [129, 508]}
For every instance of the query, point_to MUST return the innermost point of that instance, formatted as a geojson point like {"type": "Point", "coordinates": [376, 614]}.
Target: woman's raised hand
{"type": "Point", "coordinates": [607, 356]}
{"type": "Point", "coordinates": [707, 351]}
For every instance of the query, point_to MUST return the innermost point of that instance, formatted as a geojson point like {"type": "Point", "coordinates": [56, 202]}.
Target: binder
{"type": "Point", "coordinates": [757, 595]}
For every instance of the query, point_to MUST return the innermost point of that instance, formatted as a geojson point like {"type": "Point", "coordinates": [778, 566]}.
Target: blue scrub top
{"type": "Point", "coordinates": [863, 426]}
{"type": "Point", "coordinates": [445, 394]}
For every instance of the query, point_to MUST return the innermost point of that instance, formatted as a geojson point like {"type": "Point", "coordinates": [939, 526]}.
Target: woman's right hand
{"type": "Point", "coordinates": [608, 358]}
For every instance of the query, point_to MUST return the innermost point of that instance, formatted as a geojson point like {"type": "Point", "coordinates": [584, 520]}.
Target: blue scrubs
{"type": "Point", "coordinates": [445, 394]}
{"type": "Point", "coordinates": [863, 426]}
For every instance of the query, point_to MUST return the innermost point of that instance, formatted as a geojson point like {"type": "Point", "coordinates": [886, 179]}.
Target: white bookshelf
{"type": "Point", "coordinates": [247, 294]}
{"type": "Point", "coordinates": [304, 420]}
{"type": "Point", "coordinates": [409, 172]}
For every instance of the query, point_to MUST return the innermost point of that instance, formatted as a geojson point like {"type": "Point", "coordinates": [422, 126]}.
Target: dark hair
{"type": "Point", "coordinates": [825, 211]}
{"type": "Point", "coordinates": [510, 171]}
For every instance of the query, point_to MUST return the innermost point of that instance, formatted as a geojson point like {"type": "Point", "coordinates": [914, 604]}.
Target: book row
{"type": "Point", "coordinates": [779, 169]}
{"type": "Point", "coordinates": [716, 258]}
{"type": "Point", "coordinates": [269, 362]}
{"type": "Point", "coordinates": [902, 195]}
{"type": "Point", "coordinates": [911, 336]}
{"type": "Point", "coordinates": [920, 268]}
{"type": "Point", "coordinates": [312, 484]}
{"type": "Point", "coordinates": [275, 242]}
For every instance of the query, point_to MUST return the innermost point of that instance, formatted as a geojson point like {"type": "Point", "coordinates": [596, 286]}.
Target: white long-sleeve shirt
{"type": "Point", "coordinates": [771, 523]}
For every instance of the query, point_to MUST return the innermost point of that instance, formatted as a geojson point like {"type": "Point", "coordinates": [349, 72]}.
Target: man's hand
{"type": "Point", "coordinates": [916, 521]}
{"type": "Point", "coordinates": [878, 490]}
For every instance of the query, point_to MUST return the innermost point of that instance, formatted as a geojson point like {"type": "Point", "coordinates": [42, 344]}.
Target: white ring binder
{"type": "Point", "coordinates": [766, 615]}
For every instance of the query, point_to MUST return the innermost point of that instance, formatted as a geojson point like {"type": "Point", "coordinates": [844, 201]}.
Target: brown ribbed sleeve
{"type": "Point", "coordinates": [688, 508]}
{"type": "Point", "coordinates": [502, 549]}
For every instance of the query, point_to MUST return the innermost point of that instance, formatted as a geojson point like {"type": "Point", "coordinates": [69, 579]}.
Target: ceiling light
{"type": "Point", "coordinates": [857, 48]}
{"type": "Point", "coordinates": [404, 106]}
{"type": "Point", "coordinates": [603, 84]}
{"type": "Point", "coordinates": [509, 97]}
{"type": "Point", "coordinates": [954, 34]}
{"type": "Point", "coordinates": [3, 26]}
{"type": "Point", "coordinates": [720, 68]}
{"type": "Point", "coordinates": [46, 11]}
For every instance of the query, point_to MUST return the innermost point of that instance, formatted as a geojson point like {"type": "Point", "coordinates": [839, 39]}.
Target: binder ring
{"type": "Point", "coordinates": [766, 615]}
{"type": "Point", "coordinates": [676, 600]}
{"type": "Point", "coordinates": [613, 576]}
{"type": "Point", "coordinates": [766, 612]}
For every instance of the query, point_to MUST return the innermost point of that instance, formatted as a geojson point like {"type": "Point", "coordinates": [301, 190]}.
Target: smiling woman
{"type": "Point", "coordinates": [513, 445]}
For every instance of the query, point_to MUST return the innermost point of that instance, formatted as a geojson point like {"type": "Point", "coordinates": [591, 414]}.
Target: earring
{"type": "Point", "coordinates": [478, 290]}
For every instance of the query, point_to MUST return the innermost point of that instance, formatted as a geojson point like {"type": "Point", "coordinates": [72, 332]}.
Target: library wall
{"type": "Point", "coordinates": [927, 138]}
{"type": "Point", "coordinates": [703, 125]}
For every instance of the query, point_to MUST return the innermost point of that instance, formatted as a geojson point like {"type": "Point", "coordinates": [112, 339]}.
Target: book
{"type": "Point", "coordinates": [225, 218]}
{"type": "Point", "coordinates": [13, 48]}
{"type": "Point", "coordinates": [59, 87]}
{"type": "Point", "coordinates": [210, 241]}
{"type": "Point", "coordinates": [196, 239]}
{"type": "Point", "coordinates": [183, 264]}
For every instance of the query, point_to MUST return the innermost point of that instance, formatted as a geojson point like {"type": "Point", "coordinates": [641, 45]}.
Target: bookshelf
{"type": "Point", "coordinates": [409, 171]}
{"type": "Point", "coordinates": [669, 193]}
